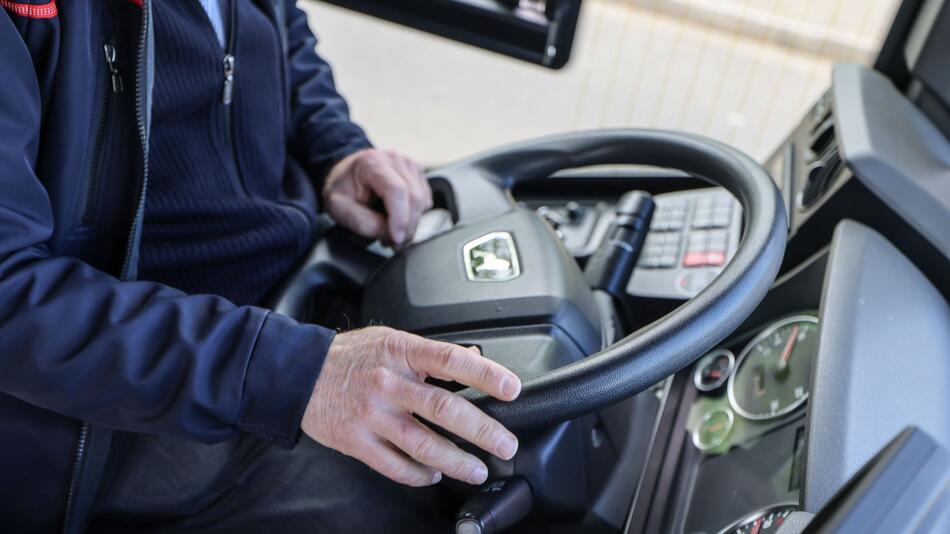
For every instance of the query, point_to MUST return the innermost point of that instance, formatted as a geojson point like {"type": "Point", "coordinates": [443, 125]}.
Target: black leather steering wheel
{"type": "Point", "coordinates": [480, 190]}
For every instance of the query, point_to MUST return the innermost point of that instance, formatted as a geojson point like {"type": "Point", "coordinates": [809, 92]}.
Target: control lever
{"type": "Point", "coordinates": [611, 266]}
{"type": "Point", "coordinates": [497, 507]}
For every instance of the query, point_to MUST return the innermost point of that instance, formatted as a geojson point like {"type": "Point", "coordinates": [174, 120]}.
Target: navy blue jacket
{"type": "Point", "coordinates": [84, 348]}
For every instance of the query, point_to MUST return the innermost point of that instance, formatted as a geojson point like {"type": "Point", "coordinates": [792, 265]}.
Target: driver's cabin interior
{"type": "Point", "coordinates": [795, 418]}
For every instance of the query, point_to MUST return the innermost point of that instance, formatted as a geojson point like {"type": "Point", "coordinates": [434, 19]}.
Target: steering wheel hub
{"type": "Point", "coordinates": [501, 273]}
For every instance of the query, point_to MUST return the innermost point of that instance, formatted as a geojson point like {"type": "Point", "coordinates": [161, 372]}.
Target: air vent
{"type": "Point", "coordinates": [822, 137]}
{"type": "Point", "coordinates": [821, 175]}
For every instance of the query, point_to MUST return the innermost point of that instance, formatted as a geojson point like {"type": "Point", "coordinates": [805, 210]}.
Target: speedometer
{"type": "Point", "coordinates": [762, 522]}
{"type": "Point", "coordinates": [773, 371]}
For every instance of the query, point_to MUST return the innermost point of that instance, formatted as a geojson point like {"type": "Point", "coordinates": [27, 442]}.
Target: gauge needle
{"type": "Point", "coordinates": [787, 351]}
{"type": "Point", "coordinates": [757, 526]}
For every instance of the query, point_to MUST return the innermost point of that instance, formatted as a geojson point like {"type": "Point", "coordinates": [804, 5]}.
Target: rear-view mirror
{"type": "Point", "coordinates": [539, 31]}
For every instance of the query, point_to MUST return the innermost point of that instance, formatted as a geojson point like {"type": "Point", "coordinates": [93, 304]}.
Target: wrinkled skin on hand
{"type": "Point", "coordinates": [356, 182]}
{"type": "Point", "coordinates": [372, 383]}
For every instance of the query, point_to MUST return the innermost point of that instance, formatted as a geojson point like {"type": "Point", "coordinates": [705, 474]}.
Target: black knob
{"type": "Point", "coordinates": [574, 211]}
{"type": "Point", "coordinates": [497, 507]}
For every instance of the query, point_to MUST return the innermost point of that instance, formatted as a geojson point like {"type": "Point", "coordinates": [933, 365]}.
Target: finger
{"type": "Point", "coordinates": [451, 362]}
{"type": "Point", "coordinates": [432, 450]}
{"type": "Point", "coordinates": [418, 180]}
{"type": "Point", "coordinates": [456, 415]}
{"type": "Point", "coordinates": [418, 200]}
{"type": "Point", "coordinates": [475, 349]}
{"type": "Point", "coordinates": [385, 460]}
{"type": "Point", "coordinates": [427, 188]}
{"type": "Point", "coordinates": [357, 217]}
{"type": "Point", "coordinates": [389, 186]}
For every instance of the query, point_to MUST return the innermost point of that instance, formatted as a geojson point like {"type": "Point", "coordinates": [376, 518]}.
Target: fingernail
{"type": "Point", "coordinates": [479, 475]}
{"type": "Point", "coordinates": [437, 477]}
{"type": "Point", "coordinates": [398, 237]}
{"type": "Point", "coordinates": [510, 388]}
{"type": "Point", "coordinates": [507, 447]}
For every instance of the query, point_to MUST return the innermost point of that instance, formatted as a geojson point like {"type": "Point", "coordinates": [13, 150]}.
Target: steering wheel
{"type": "Point", "coordinates": [428, 288]}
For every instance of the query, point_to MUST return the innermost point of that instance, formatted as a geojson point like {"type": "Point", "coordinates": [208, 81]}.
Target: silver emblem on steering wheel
{"type": "Point", "coordinates": [491, 258]}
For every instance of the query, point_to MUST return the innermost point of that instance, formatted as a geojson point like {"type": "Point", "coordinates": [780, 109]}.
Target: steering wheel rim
{"type": "Point", "coordinates": [480, 188]}
{"type": "Point", "coordinates": [669, 344]}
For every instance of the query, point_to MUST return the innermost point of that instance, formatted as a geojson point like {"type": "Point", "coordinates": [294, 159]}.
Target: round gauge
{"type": "Point", "coordinates": [713, 370]}
{"type": "Point", "coordinates": [761, 522]}
{"type": "Point", "coordinates": [772, 374]}
{"type": "Point", "coordinates": [713, 429]}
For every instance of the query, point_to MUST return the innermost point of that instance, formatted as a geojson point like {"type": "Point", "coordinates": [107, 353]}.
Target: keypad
{"type": "Point", "coordinates": [689, 232]}
{"type": "Point", "coordinates": [661, 250]}
{"type": "Point", "coordinates": [713, 212]}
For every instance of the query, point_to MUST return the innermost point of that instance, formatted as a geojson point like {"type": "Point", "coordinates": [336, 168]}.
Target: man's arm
{"type": "Point", "coordinates": [349, 173]}
{"type": "Point", "coordinates": [323, 133]}
{"type": "Point", "coordinates": [129, 355]}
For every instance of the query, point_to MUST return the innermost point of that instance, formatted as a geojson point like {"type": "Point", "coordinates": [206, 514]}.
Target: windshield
{"type": "Point", "coordinates": [740, 71]}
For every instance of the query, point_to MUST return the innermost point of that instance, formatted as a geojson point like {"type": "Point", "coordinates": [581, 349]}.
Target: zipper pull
{"type": "Point", "coordinates": [228, 92]}
{"type": "Point", "coordinates": [111, 61]}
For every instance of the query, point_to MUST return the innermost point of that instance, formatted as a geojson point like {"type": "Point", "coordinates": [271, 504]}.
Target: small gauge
{"type": "Point", "coordinates": [773, 372]}
{"type": "Point", "coordinates": [762, 522]}
{"type": "Point", "coordinates": [713, 429]}
{"type": "Point", "coordinates": [713, 370]}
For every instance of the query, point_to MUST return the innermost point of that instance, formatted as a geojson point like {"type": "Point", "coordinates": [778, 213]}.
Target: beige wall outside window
{"type": "Point", "coordinates": [741, 71]}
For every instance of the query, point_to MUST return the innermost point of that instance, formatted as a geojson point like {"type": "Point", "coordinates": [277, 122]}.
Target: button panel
{"type": "Point", "coordinates": [693, 234]}
{"type": "Point", "coordinates": [702, 223]}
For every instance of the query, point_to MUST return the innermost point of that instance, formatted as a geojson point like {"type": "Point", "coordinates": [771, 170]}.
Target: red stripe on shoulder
{"type": "Point", "coordinates": [33, 11]}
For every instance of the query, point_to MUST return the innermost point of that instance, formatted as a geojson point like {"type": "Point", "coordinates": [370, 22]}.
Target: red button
{"type": "Point", "coordinates": [694, 259]}
{"type": "Point", "coordinates": [715, 258]}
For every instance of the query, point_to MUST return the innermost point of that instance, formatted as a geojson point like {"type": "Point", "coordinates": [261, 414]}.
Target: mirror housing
{"type": "Point", "coordinates": [538, 31]}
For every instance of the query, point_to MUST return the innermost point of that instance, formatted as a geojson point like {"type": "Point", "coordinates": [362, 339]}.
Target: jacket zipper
{"type": "Point", "coordinates": [115, 82]}
{"type": "Point", "coordinates": [141, 86]}
{"type": "Point", "coordinates": [74, 478]}
{"type": "Point", "coordinates": [227, 91]}
{"type": "Point", "coordinates": [140, 118]}
{"type": "Point", "coordinates": [114, 87]}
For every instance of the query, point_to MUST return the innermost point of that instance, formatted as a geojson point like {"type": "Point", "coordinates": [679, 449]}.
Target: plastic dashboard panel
{"type": "Point", "coordinates": [883, 360]}
{"type": "Point", "coordinates": [894, 149]}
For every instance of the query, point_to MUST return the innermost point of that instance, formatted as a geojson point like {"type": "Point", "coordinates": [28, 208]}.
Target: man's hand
{"type": "Point", "coordinates": [371, 175]}
{"type": "Point", "coordinates": [372, 383]}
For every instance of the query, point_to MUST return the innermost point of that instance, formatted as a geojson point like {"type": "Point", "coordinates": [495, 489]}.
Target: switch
{"type": "Point", "coordinates": [575, 212]}
{"type": "Point", "coordinates": [694, 259]}
{"type": "Point", "coordinates": [715, 258]}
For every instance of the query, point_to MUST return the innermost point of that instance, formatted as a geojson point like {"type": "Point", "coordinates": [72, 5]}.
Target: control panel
{"type": "Point", "coordinates": [692, 236]}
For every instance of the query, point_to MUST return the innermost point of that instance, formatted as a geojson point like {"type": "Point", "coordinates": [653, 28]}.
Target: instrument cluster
{"type": "Point", "coordinates": [752, 392]}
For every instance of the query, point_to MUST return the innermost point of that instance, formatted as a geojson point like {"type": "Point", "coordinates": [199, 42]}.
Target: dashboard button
{"type": "Point", "coordinates": [715, 258]}
{"type": "Point", "coordinates": [694, 259]}
{"type": "Point", "coordinates": [666, 261]}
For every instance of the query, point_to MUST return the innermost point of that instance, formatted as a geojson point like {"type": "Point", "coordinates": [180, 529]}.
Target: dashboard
{"type": "Point", "coordinates": [734, 446]}
{"type": "Point", "coordinates": [747, 422]}
{"type": "Point", "coordinates": [739, 413]}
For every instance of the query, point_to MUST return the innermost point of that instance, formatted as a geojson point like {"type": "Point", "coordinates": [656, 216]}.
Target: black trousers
{"type": "Point", "coordinates": [164, 485]}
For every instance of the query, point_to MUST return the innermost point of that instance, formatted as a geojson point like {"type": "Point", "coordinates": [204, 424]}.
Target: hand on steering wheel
{"type": "Point", "coordinates": [372, 383]}
{"type": "Point", "coordinates": [399, 182]}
